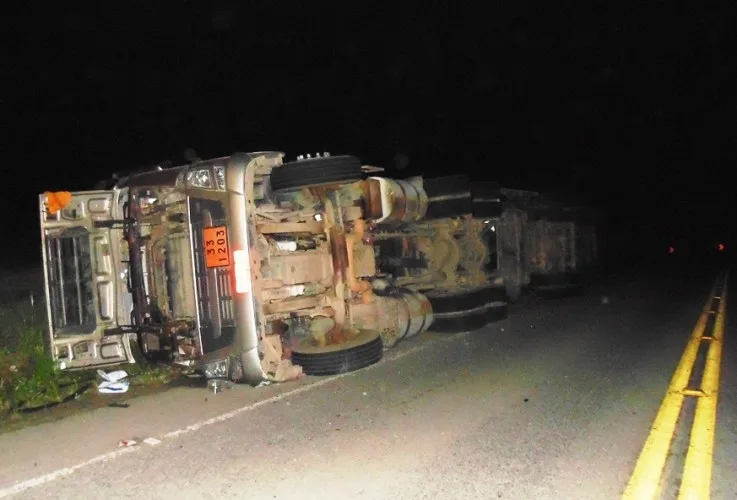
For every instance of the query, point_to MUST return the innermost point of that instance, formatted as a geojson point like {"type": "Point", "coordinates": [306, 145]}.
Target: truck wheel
{"type": "Point", "coordinates": [363, 351]}
{"type": "Point", "coordinates": [318, 171]}
{"type": "Point", "coordinates": [461, 321]}
{"type": "Point", "coordinates": [464, 299]}
{"type": "Point", "coordinates": [448, 196]}
{"type": "Point", "coordinates": [467, 309]}
{"type": "Point", "coordinates": [467, 321]}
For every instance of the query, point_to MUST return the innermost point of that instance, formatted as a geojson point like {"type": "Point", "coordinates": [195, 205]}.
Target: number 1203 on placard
{"type": "Point", "coordinates": [217, 253]}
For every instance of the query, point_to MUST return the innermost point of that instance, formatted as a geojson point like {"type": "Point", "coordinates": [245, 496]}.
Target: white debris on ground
{"type": "Point", "coordinates": [218, 385]}
{"type": "Point", "coordinates": [115, 382]}
{"type": "Point", "coordinates": [605, 300]}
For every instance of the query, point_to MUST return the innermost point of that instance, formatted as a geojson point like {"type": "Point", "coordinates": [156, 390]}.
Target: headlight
{"type": "Point", "coordinates": [200, 178]}
{"type": "Point", "coordinates": [219, 178]}
{"type": "Point", "coordinates": [217, 369]}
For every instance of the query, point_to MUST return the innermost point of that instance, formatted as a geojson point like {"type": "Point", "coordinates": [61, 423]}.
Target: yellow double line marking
{"type": "Point", "coordinates": [696, 483]}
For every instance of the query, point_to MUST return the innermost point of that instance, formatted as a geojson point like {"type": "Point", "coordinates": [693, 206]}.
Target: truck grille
{"type": "Point", "coordinates": [69, 266]}
{"type": "Point", "coordinates": [215, 307]}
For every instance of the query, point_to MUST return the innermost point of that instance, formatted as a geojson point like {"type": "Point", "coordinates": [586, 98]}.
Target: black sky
{"type": "Point", "coordinates": [632, 104]}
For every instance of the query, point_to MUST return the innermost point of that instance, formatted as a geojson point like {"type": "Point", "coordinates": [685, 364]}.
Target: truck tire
{"type": "Point", "coordinates": [467, 309]}
{"type": "Point", "coordinates": [365, 351]}
{"type": "Point", "coordinates": [461, 321]}
{"type": "Point", "coordinates": [313, 172]}
{"type": "Point", "coordinates": [468, 321]}
{"type": "Point", "coordinates": [461, 299]}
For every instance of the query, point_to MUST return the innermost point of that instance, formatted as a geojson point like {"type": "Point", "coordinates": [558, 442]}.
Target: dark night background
{"type": "Point", "coordinates": [632, 105]}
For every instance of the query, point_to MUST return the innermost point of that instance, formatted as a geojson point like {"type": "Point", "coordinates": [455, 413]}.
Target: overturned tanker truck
{"type": "Point", "coordinates": [258, 270]}
{"type": "Point", "coordinates": [544, 243]}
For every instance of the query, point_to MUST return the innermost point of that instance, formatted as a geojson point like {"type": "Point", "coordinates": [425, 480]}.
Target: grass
{"type": "Point", "coordinates": [29, 378]}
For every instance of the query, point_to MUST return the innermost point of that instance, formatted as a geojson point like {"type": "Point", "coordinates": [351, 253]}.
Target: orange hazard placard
{"type": "Point", "coordinates": [215, 241]}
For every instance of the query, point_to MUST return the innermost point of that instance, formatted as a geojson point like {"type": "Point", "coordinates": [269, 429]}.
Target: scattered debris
{"type": "Point", "coordinates": [605, 300]}
{"type": "Point", "coordinates": [218, 385]}
{"type": "Point", "coordinates": [124, 443]}
{"type": "Point", "coordinates": [115, 382]}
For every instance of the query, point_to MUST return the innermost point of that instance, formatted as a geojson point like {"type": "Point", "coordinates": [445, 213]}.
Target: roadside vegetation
{"type": "Point", "coordinates": [29, 379]}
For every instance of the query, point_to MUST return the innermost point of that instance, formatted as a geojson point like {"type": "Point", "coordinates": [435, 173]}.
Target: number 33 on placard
{"type": "Point", "coordinates": [217, 253]}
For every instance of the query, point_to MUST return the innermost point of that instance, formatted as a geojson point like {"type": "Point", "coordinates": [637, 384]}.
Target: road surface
{"type": "Point", "coordinates": [556, 402]}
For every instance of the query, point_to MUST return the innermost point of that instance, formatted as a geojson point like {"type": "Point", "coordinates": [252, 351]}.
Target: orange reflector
{"type": "Point", "coordinates": [56, 201]}
{"type": "Point", "coordinates": [720, 247]}
{"type": "Point", "coordinates": [242, 274]}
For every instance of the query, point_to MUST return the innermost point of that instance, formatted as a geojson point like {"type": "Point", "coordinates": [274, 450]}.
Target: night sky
{"type": "Point", "coordinates": [632, 105]}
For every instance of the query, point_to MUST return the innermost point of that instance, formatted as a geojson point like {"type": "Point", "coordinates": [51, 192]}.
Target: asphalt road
{"type": "Point", "coordinates": [555, 402]}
